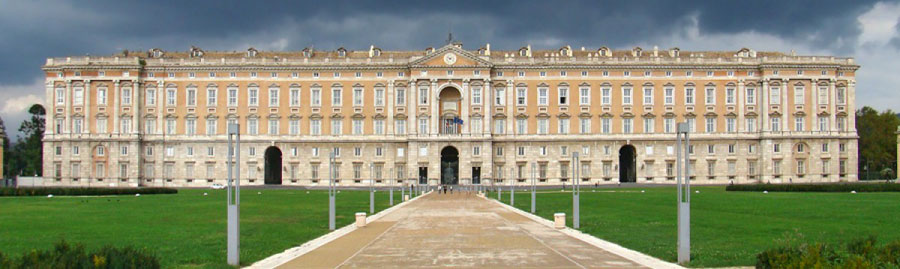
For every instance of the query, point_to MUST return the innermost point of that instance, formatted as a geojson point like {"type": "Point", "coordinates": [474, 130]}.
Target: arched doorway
{"type": "Point", "coordinates": [449, 166]}
{"type": "Point", "coordinates": [273, 166]}
{"type": "Point", "coordinates": [449, 106]}
{"type": "Point", "coordinates": [627, 160]}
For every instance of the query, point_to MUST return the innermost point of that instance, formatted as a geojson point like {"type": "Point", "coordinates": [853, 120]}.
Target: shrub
{"type": "Point", "coordinates": [43, 191]}
{"type": "Point", "coordinates": [840, 187]}
{"type": "Point", "coordinates": [64, 255]}
{"type": "Point", "coordinates": [859, 253]}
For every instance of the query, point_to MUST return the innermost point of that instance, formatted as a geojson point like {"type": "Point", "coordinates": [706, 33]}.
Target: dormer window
{"type": "Point", "coordinates": [564, 52]}
{"type": "Point", "coordinates": [342, 52]}
{"type": "Point", "coordinates": [637, 52]}
{"type": "Point", "coordinates": [675, 52]}
{"type": "Point", "coordinates": [251, 52]}
{"type": "Point", "coordinates": [307, 53]}
{"type": "Point", "coordinates": [604, 51]}
{"type": "Point", "coordinates": [196, 52]}
{"type": "Point", "coordinates": [156, 53]}
{"type": "Point", "coordinates": [744, 53]}
{"type": "Point", "coordinates": [523, 51]}
{"type": "Point", "coordinates": [376, 52]}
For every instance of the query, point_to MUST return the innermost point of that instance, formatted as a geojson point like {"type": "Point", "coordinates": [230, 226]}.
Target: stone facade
{"type": "Point", "coordinates": [159, 118]}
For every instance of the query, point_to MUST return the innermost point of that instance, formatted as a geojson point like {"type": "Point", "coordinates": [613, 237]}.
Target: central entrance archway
{"type": "Point", "coordinates": [273, 166]}
{"type": "Point", "coordinates": [627, 160]}
{"type": "Point", "coordinates": [449, 166]}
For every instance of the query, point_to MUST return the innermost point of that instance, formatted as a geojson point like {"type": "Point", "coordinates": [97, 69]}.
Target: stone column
{"type": "Point", "coordinates": [510, 106]}
{"type": "Point", "coordinates": [115, 110]}
{"type": "Point", "coordinates": [389, 101]}
{"type": "Point", "coordinates": [135, 113]}
{"type": "Point", "coordinates": [832, 105]}
{"type": "Point", "coordinates": [763, 104]}
{"type": "Point", "coordinates": [50, 100]}
{"type": "Point", "coordinates": [68, 121]}
{"type": "Point", "coordinates": [86, 125]}
{"type": "Point", "coordinates": [434, 114]}
{"type": "Point", "coordinates": [851, 105]}
{"type": "Point", "coordinates": [740, 100]}
{"type": "Point", "coordinates": [413, 108]}
{"type": "Point", "coordinates": [464, 100]}
{"type": "Point", "coordinates": [488, 108]}
{"type": "Point", "coordinates": [785, 108]}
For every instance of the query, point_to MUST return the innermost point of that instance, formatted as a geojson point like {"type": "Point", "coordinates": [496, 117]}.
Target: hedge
{"type": "Point", "coordinates": [57, 191]}
{"type": "Point", "coordinates": [842, 187]}
{"type": "Point", "coordinates": [860, 253]}
{"type": "Point", "coordinates": [64, 255]}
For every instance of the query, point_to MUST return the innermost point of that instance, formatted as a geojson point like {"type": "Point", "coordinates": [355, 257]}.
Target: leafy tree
{"type": "Point", "coordinates": [27, 154]}
{"type": "Point", "coordinates": [877, 141]}
{"type": "Point", "coordinates": [6, 156]}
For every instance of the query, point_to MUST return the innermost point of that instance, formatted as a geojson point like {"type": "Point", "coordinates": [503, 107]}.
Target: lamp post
{"type": "Point", "coordinates": [576, 188]}
{"type": "Point", "coordinates": [533, 196]}
{"type": "Point", "coordinates": [233, 201]}
{"type": "Point", "coordinates": [372, 188]}
{"type": "Point", "coordinates": [391, 191]}
{"type": "Point", "coordinates": [512, 187]}
{"type": "Point", "coordinates": [684, 194]}
{"type": "Point", "coordinates": [331, 191]}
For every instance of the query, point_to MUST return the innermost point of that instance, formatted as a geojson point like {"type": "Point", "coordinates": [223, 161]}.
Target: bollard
{"type": "Point", "coordinates": [559, 220]}
{"type": "Point", "coordinates": [360, 219]}
{"type": "Point", "coordinates": [406, 197]}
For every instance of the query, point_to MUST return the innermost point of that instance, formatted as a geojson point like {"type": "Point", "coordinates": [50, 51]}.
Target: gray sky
{"type": "Point", "coordinates": [31, 31]}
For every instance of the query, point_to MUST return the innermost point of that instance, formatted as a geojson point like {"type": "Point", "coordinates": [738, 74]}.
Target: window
{"type": "Point", "coordinates": [400, 127]}
{"type": "Point", "coordinates": [585, 96]}
{"type": "Point", "coordinates": [170, 126]}
{"type": "Point", "coordinates": [336, 74]}
{"type": "Point", "coordinates": [379, 96]}
{"type": "Point", "coordinates": [563, 96]}
{"type": "Point", "coordinates": [542, 96]}
{"type": "Point", "coordinates": [190, 126]}
{"type": "Point", "coordinates": [357, 96]}
{"type": "Point", "coordinates": [170, 151]}
{"type": "Point", "coordinates": [336, 96]}
{"type": "Point", "coordinates": [401, 96]}
{"type": "Point", "coordinates": [542, 73]}
{"type": "Point", "coordinates": [669, 96]}
{"type": "Point", "coordinates": [521, 126]}
{"type": "Point", "coordinates": [605, 96]}
{"type": "Point", "coordinates": [798, 123]}
{"type": "Point", "coordinates": [61, 96]}
{"type": "Point", "coordinates": [841, 96]}
{"type": "Point", "coordinates": [691, 124]}
{"type": "Point", "coordinates": [823, 95]}
{"type": "Point", "coordinates": [357, 151]}
{"type": "Point", "coordinates": [823, 123]}
{"type": "Point", "coordinates": [626, 125]}
{"type": "Point", "coordinates": [336, 126]}
{"type": "Point", "coordinates": [710, 124]}
{"type": "Point", "coordinates": [500, 97]}
{"type": "Point", "coordinates": [191, 96]}
{"type": "Point", "coordinates": [605, 125]}
{"type": "Point", "coordinates": [101, 96]}
{"type": "Point", "coordinates": [689, 73]}
{"type": "Point", "coordinates": [729, 96]}
{"type": "Point", "coordinates": [775, 95]}
{"type": "Point", "coordinates": [423, 95]}
{"type": "Point", "coordinates": [563, 126]}
{"type": "Point", "coordinates": [273, 97]}
{"type": "Point", "coordinates": [476, 95]}
{"type": "Point", "coordinates": [648, 96]}
{"type": "Point", "coordinates": [730, 123]}
{"type": "Point", "coordinates": [776, 148]}
{"type": "Point", "coordinates": [521, 94]}
{"type": "Point", "coordinates": [731, 149]}
{"type": "Point", "coordinates": [626, 73]}
{"type": "Point", "coordinates": [150, 126]}
{"type": "Point", "coordinates": [315, 127]}
{"type": "Point", "coordinates": [294, 126]}
{"type": "Point", "coordinates": [711, 168]}
{"type": "Point", "coordinates": [273, 126]}
{"type": "Point", "coordinates": [211, 126]}
{"type": "Point", "coordinates": [477, 126]}
{"type": "Point", "coordinates": [751, 96]}
{"type": "Point", "coordinates": [841, 123]}
{"type": "Point", "coordinates": [710, 96]}
{"type": "Point", "coordinates": [799, 97]}
{"type": "Point", "coordinates": [585, 124]}
{"type": "Point", "coordinates": [669, 125]}
{"type": "Point", "coordinates": [211, 97]}
{"type": "Point", "coordinates": [423, 126]}
{"type": "Point", "coordinates": [170, 97]}
{"type": "Point", "coordinates": [751, 124]}
{"type": "Point", "coordinates": [711, 149]}
{"type": "Point", "coordinates": [825, 147]}
{"type": "Point", "coordinates": [357, 126]}
{"type": "Point", "coordinates": [232, 97]}
{"type": "Point", "coordinates": [543, 125]}
{"type": "Point", "coordinates": [648, 125]}
{"type": "Point", "coordinates": [295, 97]}
{"type": "Point", "coordinates": [801, 167]}
{"type": "Point", "coordinates": [689, 96]}
{"type": "Point", "coordinates": [776, 124]}
{"type": "Point", "coordinates": [315, 97]}
{"type": "Point", "coordinates": [101, 125]}
{"type": "Point", "coordinates": [379, 126]}
{"type": "Point", "coordinates": [626, 96]}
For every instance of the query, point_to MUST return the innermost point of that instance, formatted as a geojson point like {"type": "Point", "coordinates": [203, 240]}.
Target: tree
{"type": "Point", "coordinates": [6, 156]}
{"type": "Point", "coordinates": [28, 154]}
{"type": "Point", "coordinates": [877, 141]}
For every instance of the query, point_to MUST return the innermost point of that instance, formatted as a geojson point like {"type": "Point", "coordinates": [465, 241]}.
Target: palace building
{"type": "Point", "coordinates": [448, 116]}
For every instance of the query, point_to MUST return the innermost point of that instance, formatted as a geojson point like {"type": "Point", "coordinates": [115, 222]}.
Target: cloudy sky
{"type": "Point", "coordinates": [31, 31]}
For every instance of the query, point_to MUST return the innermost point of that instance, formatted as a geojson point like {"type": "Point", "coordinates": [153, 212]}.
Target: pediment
{"type": "Point", "coordinates": [460, 58]}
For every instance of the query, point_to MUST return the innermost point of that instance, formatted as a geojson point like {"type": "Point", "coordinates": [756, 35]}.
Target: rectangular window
{"type": "Point", "coordinates": [61, 96]}
{"type": "Point", "coordinates": [295, 97]}
{"type": "Point", "coordinates": [710, 96]}
{"type": "Point", "coordinates": [626, 96]}
{"type": "Point", "coordinates": [730, 125]}
{"type": "Point", "coordinates": [400, 127]}
{"type": "Point", "coordinates": [563, 126]}
{"type": "Point", "coordinates": [648, 96]}
{"type": "Point", "coordinates": [689, 96]}
{"type": "Point", "coordinates": [423, 126]}
{"type": "Point", "coordinates": [273, 97]}
{"type": "Point", "coordinates": [315, 97]}
{"type": "Point", "coordinates": [521, 126]}
{"type": "Point", "coordinates": [211, 97]}
{"type": "Point", "coordinates": [799, 95]}
{"type": "Point", "coordinates": [357, 96]}
{"type": "Point", "coordinates": [751, 124]}
{"type": "Point", "coordinates": [101, 96]}
{"type": "Point", "coordinates": [776, 124]}
{"type": "Point", "coordinates": [669, 96]}
{"type": "Point", "coordinates": [315, 127]}
{"type": "Point", "coordinates": [500, 97]}
{"type": "Point", "coordinates": [799, 124]}
{"type": "Point", "coordinates": [150, 126]}
{"type": "Point", "coordinates": [170, 97]}
{"type": "Point", "coordinates": [273, 127]}
{"type": "Point", "coordinates": [294, 125]}
{"type": "Point", "coordinates": [78, 96]}
{"type": "Point", "coordinates": [336, 96]}
{"type": "Point", "coordinates": [423, 95]}
{"type": "Point", "coordinates": [669, 125]}
{"type": "Point", "coordinates": [401, 96]}
{"type": "Point", "coordinates": [336, 126]}
{"type": "Point", "coordinates": [841, 96]}
{"type": "Point", "coordinates": [605, 96]}
{"type": "Point", "coordinates": [585, 96]}
{"type": "Point", "coordinates": [543, 96]}
{"type": "Point", "coordinates": [101, 125]}
{"type": "Point", "coordinates": [476, 95]}
{"type": "Point", "coordinates": [585, 124]}
{"type": "Point", "coordinates": [357, 126]}
{"type": "Point", "coordinates": [729, 96]}
{"type": "Point", "coordinates": [648, 125]}
{"type": "Point", "coordinates": [823, 95]}
{"type": "Point", "coordinates": [521, 94]}
{"type": "Point", "coordinates": [170, 126]}
{"type": "Point", "coordinates": [379, 96]}
{"type": "Point", "coordinates": [190, 126]}
{"type": "Point", "coordinates": [775, 95]}
{"type": "Point", "coordinates": [605, 125]}
{"type": "Point", "coordinates": [543, 126]}
{"type": "Point", "coordinates": [563, 96]}
{"type": "Point", "coordinates": [751, 96]}
{"type": "Point", "coordinates": [191, 97]}
{"type": "Point", "coordinates": [823, 124]}
{"type": "Point", "coordinates": [710, 125]}
{"type": "Point", "coordinates": [379, 126]}
{"type": "Point", "coordinates": [627, 125]}
{"type": "Point", "coordinates": [211, 126]}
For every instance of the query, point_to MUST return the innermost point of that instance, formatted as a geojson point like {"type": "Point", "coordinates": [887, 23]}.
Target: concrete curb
{"type": "Point", "coordinates": [292, 253]}
{"type": "Point", "coordinates": [640, 258]}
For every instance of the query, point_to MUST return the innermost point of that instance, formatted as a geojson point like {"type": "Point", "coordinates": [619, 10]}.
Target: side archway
{"type": "Point", "coordinates": [449, 166]}
{"type": "Point", "coordinates": [627, 161]}
{"type": "Point", "coordinates": [273, 166]}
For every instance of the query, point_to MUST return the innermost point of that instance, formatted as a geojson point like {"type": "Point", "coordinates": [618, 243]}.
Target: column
{"type": "Point", "coordinates": [464, 105]}
{"type": "Point", "coordinates": [851, 105]}
{"type": "Point", "coordinates": [50, 100]}
{"type": "Point", "coordinates": [434, 114]}
{"type": "Point", "coordinates": [135, 113]}
{"type": "Point", "coordinates": [412, 108]}
{"type": "Point", "coordinates": [115, 110]}
{"type": "Point", "coordinates": [389, 100]}
{"type": "Point", "coordinates": [763, 104]}
{"type": "Point", "coordinates": [832, 105]}
{"type": "Point", "coordinates": [785, 108]}
{"type": "Point", "coordinates": [488, 109]}
{"type": "Point", "coordinates": [68, 121]}
{"type": "Point", "coordinates": [86, 125]}
{"type": "Point", "coordinates": [510, 106]}
{"type": "Point", "coordinates": [740, 100]}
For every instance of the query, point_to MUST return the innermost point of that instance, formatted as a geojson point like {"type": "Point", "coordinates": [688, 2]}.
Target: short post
{"type": "Point", "coordinates": [331, 191]}
{"type": "Point", "coordinates": [360, 219]}
{"type": "Point", "coordinates": [684, 193]}
{"type": "Point", "coordinates": [403, 193]}
{"type": "Point", "coordinates": [533, 196]}
{"type": "Point", "coordinates": [576, 189]}
{"type": "Point", "coordinates": [234, 195]}
{"type": "Point", "coordinates": [559, 220]}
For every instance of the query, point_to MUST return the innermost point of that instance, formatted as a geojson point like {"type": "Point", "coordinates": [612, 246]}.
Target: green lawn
{"type": "Point", "coordinates": [185, 229]}
{"type": "Point", "coordinates": [727, 228]}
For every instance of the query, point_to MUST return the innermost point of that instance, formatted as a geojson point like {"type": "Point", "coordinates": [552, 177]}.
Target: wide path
{"type": "Point", "coordinates": [458, 230]}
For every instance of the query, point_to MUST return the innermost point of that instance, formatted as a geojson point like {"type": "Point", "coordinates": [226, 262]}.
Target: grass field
{"type": "Point", "coordinates": [186, 229]}
{"type": "Point", "coordinates": [727, 228]}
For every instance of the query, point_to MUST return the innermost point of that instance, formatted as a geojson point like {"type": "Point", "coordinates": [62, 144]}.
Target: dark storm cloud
{"type": "Point", "coordinates": [31, 31]}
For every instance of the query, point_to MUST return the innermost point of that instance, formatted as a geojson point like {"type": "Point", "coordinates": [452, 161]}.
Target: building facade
{"type": "Point", "coordinates": [448, 115]}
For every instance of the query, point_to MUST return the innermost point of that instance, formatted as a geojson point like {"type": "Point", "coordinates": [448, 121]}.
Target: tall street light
{"type": "Point", "coordinates": [533, 196]}
{"type": "Point", "coordinates": [331, 191]}
{"type": "Point", "coordinates": [233, 201]}
{"type": "Point", "coordinates": [684, 194]}
{"type": "Point", "coordinates": [576, 189]}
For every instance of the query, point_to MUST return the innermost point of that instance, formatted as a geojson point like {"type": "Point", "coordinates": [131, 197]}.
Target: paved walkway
{"type": "Point", "coordinates": [458, 230]}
